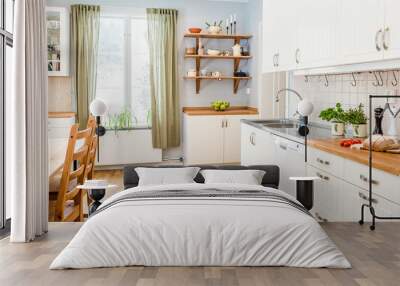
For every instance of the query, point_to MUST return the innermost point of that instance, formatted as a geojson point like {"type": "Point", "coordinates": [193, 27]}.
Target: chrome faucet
{"type": "Point", "coordinates": [293, 91]}
{"type": "Point", "coordinates": [287, 89]}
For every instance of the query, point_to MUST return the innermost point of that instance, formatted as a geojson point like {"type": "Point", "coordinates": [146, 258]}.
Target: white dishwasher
{"type": "Point", "coordinates": [290, 157]}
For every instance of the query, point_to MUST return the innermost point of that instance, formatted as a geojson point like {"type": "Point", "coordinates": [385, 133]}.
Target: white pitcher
{"type": "Point", "coordinates": [237, 50]}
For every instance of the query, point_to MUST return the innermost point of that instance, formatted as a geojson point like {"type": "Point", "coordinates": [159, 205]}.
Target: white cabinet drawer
{"type": "Point", "coordinates": [326, 195]}
{"type": "Point", "coordinates": [383, 184]}
{"type": "Point", "coordinates": [325, 161]}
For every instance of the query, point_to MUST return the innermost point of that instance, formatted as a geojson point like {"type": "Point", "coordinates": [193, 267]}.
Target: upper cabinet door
{"type": "Point", "coordinates": [391, 30]}
{"type": "Point", "coordinates": [270, 35]}
{"type": "Point", "coordinates": [316, 33]}
{"type": "Point", "coordinates": [360, 31]}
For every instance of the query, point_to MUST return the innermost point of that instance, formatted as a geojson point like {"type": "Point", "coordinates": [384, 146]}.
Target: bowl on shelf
{"type": "Point", "coordinates": [211, 52]}
{"type": "Point", "coordinates": [214, 30]}
{"type": "Point", "coordinates": [190, 51]}
{"type": "Point", "coordinates": [195, 30]}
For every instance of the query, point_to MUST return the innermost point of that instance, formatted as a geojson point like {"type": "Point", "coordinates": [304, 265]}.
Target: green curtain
{"type": "Point", "coordinates": [164, 87]}
{"type": "Point", "coordinates": [84, 48]}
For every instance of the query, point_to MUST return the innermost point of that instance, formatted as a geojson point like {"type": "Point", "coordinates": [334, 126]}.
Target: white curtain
{"type": "Point", "coordinates": [27, 123]}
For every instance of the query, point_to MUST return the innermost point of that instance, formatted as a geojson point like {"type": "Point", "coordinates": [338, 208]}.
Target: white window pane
{"type": "Point", "coordinates": [111, 64]}
{"type": "Point", "coordinates": [123, 70]}
{"type": "Point", "coordinates": [140, 89]}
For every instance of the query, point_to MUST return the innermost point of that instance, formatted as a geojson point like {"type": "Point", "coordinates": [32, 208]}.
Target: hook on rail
{"type": "Point", "coordinates": [395, 82]}
{"type": "Point", "coordinates": [354, 82]}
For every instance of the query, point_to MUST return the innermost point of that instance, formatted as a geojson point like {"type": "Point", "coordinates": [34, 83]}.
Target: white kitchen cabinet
{"type": "Point", "coordinates": [391, 30]}
{"type": "Point", "coordinates": [279, 35]}
{"type": "Point", "coordinates": [59, 128]}
{"type": "Point", "coordinates": [326, 195]}
{"type": "Point", "coordinates": [290, 158]}
{"type": "Point", "coordinates": [212, 139]}
{"type": "Point", "coordinates": [316, 32]}
{"type": "Point", "coordinates": [270, 35]}
{"type": "Point", "coordinates": [343, 188]}
{"type": "Point", "coordinates": [257, 146]}
{"type": "Point", "coordinates": [360, 31]}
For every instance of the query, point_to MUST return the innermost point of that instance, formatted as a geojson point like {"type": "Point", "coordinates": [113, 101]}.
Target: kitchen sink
{"type": "Point", "coordinates": [282, 125]}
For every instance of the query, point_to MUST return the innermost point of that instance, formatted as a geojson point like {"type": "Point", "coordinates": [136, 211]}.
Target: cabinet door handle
{"type": "Point", "coordinates": [365, 198]}
{"type": "Point", "coordinates": [385, 38]}
{"type": "Point", "coordinates": [377, 45]}
{"type": "Point", "coordinates": [274, 60]}
{"type": "Point", "coordinates": [323, 162]}
{"type": "Point", "coordinates": [226, 123]}
{"type": "Point", "coordinates": [283, 147]}
{"type": "Point", "coordinates": [319, 175]}
{"type": "Point", "coordinates": [252, 141]}
{"type": "Point", "coordinates": [366, 180]}
{"type": "Point", "coordinates": [297, 56]}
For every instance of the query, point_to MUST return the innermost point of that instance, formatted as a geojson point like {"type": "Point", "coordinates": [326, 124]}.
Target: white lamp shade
{"type": "Point", "coordinates": [98, 107]}
{"type": "Point", "coordinates": [305, 107]}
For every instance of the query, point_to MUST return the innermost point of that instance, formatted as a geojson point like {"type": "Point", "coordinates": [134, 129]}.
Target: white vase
{"type": "Point", "coordinates": [359, 130]}
{"type": "Point", "coordinates": [337, 129]}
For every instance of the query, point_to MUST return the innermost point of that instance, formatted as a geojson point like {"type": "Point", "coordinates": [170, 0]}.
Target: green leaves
{"type": "Point", "coordinates": [123, 120]}
{"type": "Point", "coordinates": [353, 116]}
{"type": "Point", "coordinates": [357, 116]}
{"type": "Point", "coordinates": [336, 114]}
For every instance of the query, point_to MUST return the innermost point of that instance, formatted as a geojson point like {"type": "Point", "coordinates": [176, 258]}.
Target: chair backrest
{"type": "Point", "coordinates": [91, 158]}
{"type": "Point", "coordinates": [73, 154]}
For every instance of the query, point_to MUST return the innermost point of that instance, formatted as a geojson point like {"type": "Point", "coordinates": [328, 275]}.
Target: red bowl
{"type": "Point", "coordinates": [194, 30]}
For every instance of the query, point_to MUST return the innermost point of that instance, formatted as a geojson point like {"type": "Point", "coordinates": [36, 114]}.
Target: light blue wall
{"type": "Point", "coordinates": [195, 13]}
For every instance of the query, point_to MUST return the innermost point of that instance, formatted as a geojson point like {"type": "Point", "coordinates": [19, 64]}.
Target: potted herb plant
{"type": "Point", "coordinates": [337, 116]}
{"type": "Point", "coordinates": [358, 120]}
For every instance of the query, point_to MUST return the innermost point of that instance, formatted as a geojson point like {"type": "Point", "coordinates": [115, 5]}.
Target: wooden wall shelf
{"type": "Point", "coordinates": [218, 36]}
{"type": "Point", "coordinates": [218, 57]}
{"type": "Point", "coordinates": [236, 80]}
{"type": "Point", "coordinates": [236, 63]}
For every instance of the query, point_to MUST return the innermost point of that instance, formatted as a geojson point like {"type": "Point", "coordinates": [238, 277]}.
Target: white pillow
{"type": "Point", "coordinates": [166, 176]}
{"type": "Point", "coordinates": [247, 177]}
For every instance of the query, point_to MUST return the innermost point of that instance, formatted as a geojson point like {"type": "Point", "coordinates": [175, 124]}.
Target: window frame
{"type": "Point", "coordinates": [6, 39]}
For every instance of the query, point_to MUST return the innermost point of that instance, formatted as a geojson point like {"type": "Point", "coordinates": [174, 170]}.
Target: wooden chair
{"type": "Point", "coordinates": [91, 158]}
{"type": "Point", "coordinates": [65, 199]}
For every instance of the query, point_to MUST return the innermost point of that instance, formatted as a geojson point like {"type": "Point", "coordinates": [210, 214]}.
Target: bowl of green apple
{"type": "Point", "coordinates": [220, 105]}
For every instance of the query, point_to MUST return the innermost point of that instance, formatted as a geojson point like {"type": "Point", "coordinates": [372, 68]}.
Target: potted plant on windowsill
{"type": "Point", "coordinates": [358, 120]}
{"type": "Point", "coordinates": [337, 116]}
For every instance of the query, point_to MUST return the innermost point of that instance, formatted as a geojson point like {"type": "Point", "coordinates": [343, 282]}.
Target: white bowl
{"type": "Point", "coordinates": [214, 30]}
{"type": "Point", "coordinates": [213, 52]}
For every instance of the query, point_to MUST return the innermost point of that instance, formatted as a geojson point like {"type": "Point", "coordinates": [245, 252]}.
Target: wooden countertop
{"type": "Point", "coordinates": [66, 114]}
{"type": "Point", "coordinates": [386, 162]}
{"type": "Point", "coordinates": [234, 110]}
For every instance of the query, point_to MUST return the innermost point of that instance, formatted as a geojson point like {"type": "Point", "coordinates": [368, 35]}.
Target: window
{"type": "Point", "coordinates": [6, 43]}
{"type": "Point", "coordinates": [123, 69]}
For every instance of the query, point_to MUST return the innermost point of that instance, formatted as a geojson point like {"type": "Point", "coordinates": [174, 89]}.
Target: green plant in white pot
{"type": "Point", "coordinates": [358, 120]}
{"type": "Point", "coordinates": [337, 116]}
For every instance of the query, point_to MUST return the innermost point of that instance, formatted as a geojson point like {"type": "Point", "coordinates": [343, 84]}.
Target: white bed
{"type": "Point", "coordinates": [205, 231]}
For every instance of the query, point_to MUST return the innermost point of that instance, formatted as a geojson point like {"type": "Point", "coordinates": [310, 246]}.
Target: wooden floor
{"type": "Point", "coordinates": [375, 257]}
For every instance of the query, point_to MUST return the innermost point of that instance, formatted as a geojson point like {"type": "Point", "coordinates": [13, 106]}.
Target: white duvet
{"type": "Point", "coordinates": [200, 232]}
